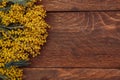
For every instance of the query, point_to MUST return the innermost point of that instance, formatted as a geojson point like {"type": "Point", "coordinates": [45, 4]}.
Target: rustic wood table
{"type": "Point", "coordinates": [83, 42]}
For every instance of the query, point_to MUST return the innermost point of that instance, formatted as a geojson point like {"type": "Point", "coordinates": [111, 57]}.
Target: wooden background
{"type": "Point", "coordinates": [83, 43]}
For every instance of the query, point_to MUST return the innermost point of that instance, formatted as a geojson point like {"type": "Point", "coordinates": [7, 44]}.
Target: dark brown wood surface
{"type": "Point", "coordinates": [82, 39]}
{"type": "Point", "coordinates": [81, 45]}
{"type": "Point", "coordinates": [81, 5]}
{"type": "Point", "coordinates": [71, 74]}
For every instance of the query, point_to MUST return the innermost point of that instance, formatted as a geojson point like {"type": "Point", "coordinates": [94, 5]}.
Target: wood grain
{"type": "Point", "coordinates": [82, 39]}
{"type": "Point", "coordinates": [71, 74]}
{"type": "Point", "coordinates": [81, 5]}
{"type": "Point", "coordinates": [81, 45]}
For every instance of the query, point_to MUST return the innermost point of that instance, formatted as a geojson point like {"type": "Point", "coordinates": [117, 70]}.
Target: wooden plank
{"type": "Point", "coordinates": [71, 74]}
{"type": "Point", "coordinates": [82, 39]}
{"type": "Point", "coordinates": [81, 5]}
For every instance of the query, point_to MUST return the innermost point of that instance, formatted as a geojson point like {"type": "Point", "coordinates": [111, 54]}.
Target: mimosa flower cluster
{"type": "Point", "coordinates": [23, 31]}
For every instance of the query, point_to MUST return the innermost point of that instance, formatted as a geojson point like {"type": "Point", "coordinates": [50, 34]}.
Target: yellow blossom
{"type": "Point", "coordinates": [21, 43]}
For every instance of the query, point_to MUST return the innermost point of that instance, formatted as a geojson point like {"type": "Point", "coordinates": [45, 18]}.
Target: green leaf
{"type": "Point", "coordinates": [15, 26]}
{"type": "Point", "coordinates": [1, 0]}
{"type": "Point", "coordinates": [11, 27]}
{"type": "Point", "coordinates": [5, 9]}
{"type": "Point", "coordinates": [22, 2]}
{"type": "Point", "coordinates": [3, 77]}
{"type": "Point", "coordinates": [4, 28]}
{"type": "Point", "coordinates": [10, 2]}
{"type": "Point", "coordinates": [21, 63]}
